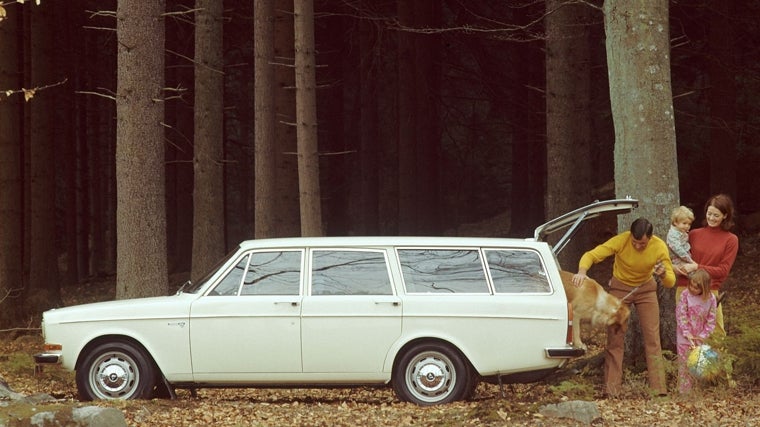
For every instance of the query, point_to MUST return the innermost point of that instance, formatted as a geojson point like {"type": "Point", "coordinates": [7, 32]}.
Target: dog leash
{"type": "Point", "coordinates": [629, 293]}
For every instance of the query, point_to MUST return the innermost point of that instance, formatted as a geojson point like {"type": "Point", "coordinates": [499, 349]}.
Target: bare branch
{"type": "Point", "coordinates": [87, 27]}
{"type": "Point", "coordinates": [186, 12]}
{"type": "Point", "coordinates": [84, 92]}
{"type": "Point", "coordinates": [108, 13]}
{"type": "Point", "coordinates": [194, 61]}
{"type": "Point", "coordinates": [29, 93]}
{"type": "Point", "coordinates": [11, 293]}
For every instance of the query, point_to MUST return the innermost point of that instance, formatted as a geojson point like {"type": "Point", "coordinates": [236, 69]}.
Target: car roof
{"type": "Point", "coordinates": [571, 219]}
{"type": "Point", "coordinates": [384, 241]}
{"type": "Point", "coordinates": [574, 219]}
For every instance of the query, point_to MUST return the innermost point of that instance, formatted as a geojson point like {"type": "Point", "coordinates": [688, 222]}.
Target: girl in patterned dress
{"type": "Point", "coordinates": [695, 321]}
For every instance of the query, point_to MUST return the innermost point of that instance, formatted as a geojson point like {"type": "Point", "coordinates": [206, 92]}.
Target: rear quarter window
{"type": "Point", "coordinates": [516, 271]}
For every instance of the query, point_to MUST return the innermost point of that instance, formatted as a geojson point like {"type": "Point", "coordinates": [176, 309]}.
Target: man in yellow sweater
{"type": "Point", "coordinates": [641, 260]}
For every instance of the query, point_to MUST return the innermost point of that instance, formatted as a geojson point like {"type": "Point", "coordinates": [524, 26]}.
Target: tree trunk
{"type": "Point", "coordinates": [141, 212]}
{"type": "Point", "coordinates": [44, 289]}
{"type": "Point", "coordinates": [568, 118]}
{"type": "Point", "coordinates": [367, 218]}
{"type": "Point", "coordinates": [180, 148]}
{"type": "Point", "coordinates": [427, 154]}
{"type": "Point", "coordinates": [208, 197]}
{"type": "Point", "coordinates": [528, 147]}
{"type": "Point", "coordinates": [407, 138]}
{"type": "Point", "coordinates": [306, 119]}
{"type": "Point", "coordinates": [264, 118]}
{"type": "Point", "coordinates": [722, 97]}
{"type": "Point", "coordinates": [288, 203]}
{"type": "Point", "coordinates": [638, 59]}
{"type": "Point", "coordinates": [11, 199]}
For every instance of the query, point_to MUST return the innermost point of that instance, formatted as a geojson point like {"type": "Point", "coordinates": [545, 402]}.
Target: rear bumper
{"type": "Point", "coordinates": [47, 358]}
{"type": "Point", "coordinates": [564, 352]}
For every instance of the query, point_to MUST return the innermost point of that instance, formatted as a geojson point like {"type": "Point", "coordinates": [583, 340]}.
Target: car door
{"type": "Point", "coordinates": [248, 324]}
{"type": "Point", "coordinates": [352, 316]}
{"type": "Point", "coordinates": [573, 220]}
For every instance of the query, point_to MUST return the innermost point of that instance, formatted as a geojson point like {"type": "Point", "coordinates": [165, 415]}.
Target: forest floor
{"type": "Point", "coordinates": [513, 405]}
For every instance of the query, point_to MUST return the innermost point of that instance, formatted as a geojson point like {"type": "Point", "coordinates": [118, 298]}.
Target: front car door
{"type": "Point", "coordinates": [248, 325]}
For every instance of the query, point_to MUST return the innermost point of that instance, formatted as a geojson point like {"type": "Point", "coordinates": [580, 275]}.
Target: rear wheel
{"type": "Point", "coordinates": [431, 374]}
{"type": "Point", "coordinates": [116, 370]}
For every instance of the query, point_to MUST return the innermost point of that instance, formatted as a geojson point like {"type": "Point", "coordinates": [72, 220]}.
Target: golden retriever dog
{"type": "Point", "coordinates": [591, 302]}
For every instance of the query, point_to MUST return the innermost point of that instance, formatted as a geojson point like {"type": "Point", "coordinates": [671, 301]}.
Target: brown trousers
{"type": "Point", "coordinates": [644, 298]}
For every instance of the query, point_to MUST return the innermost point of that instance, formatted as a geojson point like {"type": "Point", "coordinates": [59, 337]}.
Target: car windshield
{"type": "Point", "coordinates": [191, 287]}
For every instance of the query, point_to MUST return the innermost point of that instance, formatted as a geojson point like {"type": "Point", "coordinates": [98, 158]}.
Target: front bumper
{"type": "Point", "coordinates": [47, 359]}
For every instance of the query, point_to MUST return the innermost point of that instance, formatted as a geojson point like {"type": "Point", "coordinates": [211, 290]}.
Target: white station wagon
{"type": "Point", "coordinates": [430, 316]}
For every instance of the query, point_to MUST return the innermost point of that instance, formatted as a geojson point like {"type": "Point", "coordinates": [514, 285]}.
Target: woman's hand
{"type": "Point", "coordinates": [680, 270]}
{"type": "Point", "coordinates": [685, 269]}
{"type": "Point", "coordinates": [690, 267]}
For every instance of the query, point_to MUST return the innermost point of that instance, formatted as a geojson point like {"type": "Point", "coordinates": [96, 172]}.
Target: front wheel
{"type": "Point", "coordinates": [431, 374]}
{"type": "Point", "coordinates": [116, 370]}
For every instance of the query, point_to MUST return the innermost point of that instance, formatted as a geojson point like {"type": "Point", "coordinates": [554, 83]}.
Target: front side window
{"type": "Point", "coordinates": [443, 271]}
{"type": "Point", "coordinates": [516, 271]}
{"type": "Point", "coordinates": [230, 284]}
{"type": "Point", "coordinates": [346, 272]}
{"type": "Point", "coordinates": [273, 273]}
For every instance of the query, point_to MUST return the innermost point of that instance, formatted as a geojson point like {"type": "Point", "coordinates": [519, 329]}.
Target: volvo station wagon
{"type": "Point", "coordinates": [428, 316]}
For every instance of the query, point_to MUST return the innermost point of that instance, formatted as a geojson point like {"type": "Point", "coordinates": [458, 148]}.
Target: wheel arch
{"type": "Point", "coordinates": [429, 340]}
{"type": "Point", "coordinates": [114, 338]}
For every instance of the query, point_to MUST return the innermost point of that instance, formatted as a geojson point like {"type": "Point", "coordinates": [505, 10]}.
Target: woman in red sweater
{"type": "Point", "coordinates": [713, 248]}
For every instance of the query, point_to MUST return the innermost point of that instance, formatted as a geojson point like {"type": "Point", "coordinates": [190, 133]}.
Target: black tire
{"type": "Point", "coordinates": [431, 374]}
{"type": "Point", "coordinates": [472, 384]}
{"type": "Point", "coordinates": [116, 370]}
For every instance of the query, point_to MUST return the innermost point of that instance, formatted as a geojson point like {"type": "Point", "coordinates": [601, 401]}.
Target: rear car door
{"type": "Point", "coordinates": [351, 316]}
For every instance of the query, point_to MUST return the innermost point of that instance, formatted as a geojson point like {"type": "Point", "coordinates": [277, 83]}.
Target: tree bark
{"type": "Point", "coordinates": [288, 204]}
{"type": "Point", "coordinates": [141, 211]}
{"type": "Point", "coordinates": [427, 154]}
{"type": "Point", "coordinates": [568, 118]}
{"type": "Point", "coordinates": [406, 117]}
{"type": "Point", "coordinates": [638, 59]}
{"type": "Point", "coordinates": [44, 289]}
{"type": "Point", "coordinates": [11, 199]}
{"type": "Point", "coordinates": [367, 218]}
{"type": "Point", "coordinates": [208, 197]}
{"type": "Point", "coordinates": [722, 71]}
{"type": "Point", "coordinates": [264, 121]}
{"type": "Point", "coordinates": [306, 119]}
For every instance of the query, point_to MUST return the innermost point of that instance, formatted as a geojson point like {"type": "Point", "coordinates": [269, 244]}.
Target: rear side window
{"type": "Point", "coordinates": [443, 271]}
{"type": "Point", "coordinates": [516, 271]}
{"type": "Point", "coordinates": [347, 272]}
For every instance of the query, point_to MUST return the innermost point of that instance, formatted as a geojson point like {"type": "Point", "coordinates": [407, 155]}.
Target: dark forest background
{"type": "Point", "coordinates": [476, 125]}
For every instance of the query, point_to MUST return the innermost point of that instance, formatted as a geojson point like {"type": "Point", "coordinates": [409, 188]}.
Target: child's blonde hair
{"type": "Point", "coordinates": [681, 212]}
{"type": "Point", "coordinates": [702, 279]}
